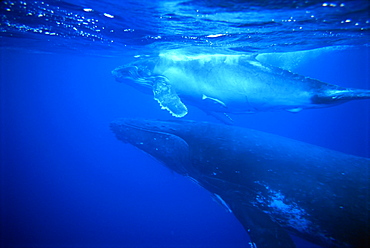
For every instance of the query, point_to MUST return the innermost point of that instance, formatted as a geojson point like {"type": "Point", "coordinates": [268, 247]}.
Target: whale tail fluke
{"type": "Point", "coordinates": [336, 96]}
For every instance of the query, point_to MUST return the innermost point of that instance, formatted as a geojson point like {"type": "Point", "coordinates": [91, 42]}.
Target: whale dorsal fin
{"type": "Point", "coordinates": [166, 96]}
{"type": "Point", "coordinates": [214, 102]}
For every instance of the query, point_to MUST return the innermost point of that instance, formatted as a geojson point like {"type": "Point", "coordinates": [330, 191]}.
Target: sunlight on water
{"type": "Point", "coordinates": [248, 27]}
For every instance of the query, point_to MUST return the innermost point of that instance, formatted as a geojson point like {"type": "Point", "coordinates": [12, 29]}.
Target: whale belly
{"type": "Point", "coordinates": [239, 88]}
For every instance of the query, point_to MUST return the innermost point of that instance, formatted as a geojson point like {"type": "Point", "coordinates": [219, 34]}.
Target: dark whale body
{"type": "Point", "coordinates": [273, 185]}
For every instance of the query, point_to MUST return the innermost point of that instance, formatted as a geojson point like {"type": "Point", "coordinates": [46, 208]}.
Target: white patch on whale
{"type": "Point", "coordinates": [290, 212]}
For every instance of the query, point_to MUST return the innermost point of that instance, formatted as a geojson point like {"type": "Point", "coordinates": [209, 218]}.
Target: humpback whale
{"type": "Point", "coordinates": [275, 186]}
{"type": "Point", "coordinates": [229, 84]}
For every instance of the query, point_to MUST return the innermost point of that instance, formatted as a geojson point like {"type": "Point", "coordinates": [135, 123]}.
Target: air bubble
{"type": "Point", "coordinates": [108, 15]}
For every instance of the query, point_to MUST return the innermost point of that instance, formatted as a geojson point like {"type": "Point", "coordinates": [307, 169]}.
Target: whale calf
{"type": "Point", "coordinates": [273, 185]}
{"type": "Point", "coordinates": [229, 84]}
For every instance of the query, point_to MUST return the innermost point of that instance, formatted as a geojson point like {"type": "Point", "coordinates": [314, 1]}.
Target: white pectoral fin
{"type": "Point", "coordinates": [166, 96]}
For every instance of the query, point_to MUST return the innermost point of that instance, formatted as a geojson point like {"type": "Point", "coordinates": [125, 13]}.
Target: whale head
{"type": "Point", "coordinates": [139, 72]}
{"type": "Point", "coordinates": [140, 75]}
{"type": "Point", "coordinates": [153, 138]}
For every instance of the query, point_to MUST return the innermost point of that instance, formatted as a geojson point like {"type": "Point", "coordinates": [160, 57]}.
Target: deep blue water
{"type": "Point", "coordinates": [66, 181]}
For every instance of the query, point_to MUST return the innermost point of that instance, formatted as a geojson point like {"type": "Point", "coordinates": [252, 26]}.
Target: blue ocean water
{"type": "Point", "coordinates": [66, 181]}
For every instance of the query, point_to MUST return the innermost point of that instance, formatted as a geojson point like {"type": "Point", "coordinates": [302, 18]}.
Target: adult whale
{"type": "Point", "coordinates": [273, 185]}
{"type": "Point", "coordinates": [229, 84]}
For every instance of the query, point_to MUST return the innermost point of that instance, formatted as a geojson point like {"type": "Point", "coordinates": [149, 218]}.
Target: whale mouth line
{"type": "Point", "coordinates": [125, 122]}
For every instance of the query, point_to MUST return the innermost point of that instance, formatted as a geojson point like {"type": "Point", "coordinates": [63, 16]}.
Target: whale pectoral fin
{"type": "Point", "coordinates": [261, 229]}
{"type": "Point", "coordinates": [167, 97]}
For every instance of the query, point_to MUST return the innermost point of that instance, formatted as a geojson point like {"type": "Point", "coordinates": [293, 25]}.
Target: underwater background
{"type": "Point", "coordinates": [66, 181]}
